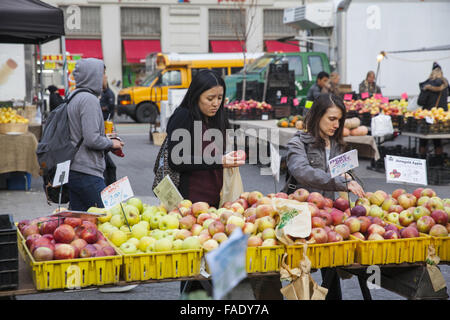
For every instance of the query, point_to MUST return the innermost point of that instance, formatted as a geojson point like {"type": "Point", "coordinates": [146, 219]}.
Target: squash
{"type": "Point", "coordinates": [360, 131]}
{"type": "Point", "coordinates": [346, 132]}
{"type": "Point", "coordinates": [284, 124]}
{"type": "Point", "coordinates": [352, 123]}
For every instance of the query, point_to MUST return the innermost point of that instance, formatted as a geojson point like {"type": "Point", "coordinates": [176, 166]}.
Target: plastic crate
{"type": "Point", "coordinates": [442, 246]}
{"type": "Point", "coordinates": [409, 250]}
{"type": "Point", "coordinates": [324, 255]}
{"type": "Point", "coordinates": [282, 111]}
{"type": "Point", "coordinates": [161, 265]}
{"type": "Point", "coordinates": [71, 273]}
{"type": "Point", "coordinates": [19, 181]}
{"type": "Point", "coordinates": [264, 259]}
{"type": "Point", "coordinates": [9, 256]}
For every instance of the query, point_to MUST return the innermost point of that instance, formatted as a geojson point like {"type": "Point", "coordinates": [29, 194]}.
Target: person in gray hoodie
{"type": "Point", "coordinates": [86, 122]}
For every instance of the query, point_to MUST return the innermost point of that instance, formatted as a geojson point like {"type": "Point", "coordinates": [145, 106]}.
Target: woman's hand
{"type": "Point", "coordinates": [354, 187]}
{"type": "Point", "coordinates": [232, 159]}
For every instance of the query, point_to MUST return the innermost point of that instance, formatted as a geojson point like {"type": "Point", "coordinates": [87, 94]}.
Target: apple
{"type": "Point", "coordinates": [317, 222]}
{"type": "Point", "coordinates": [22, 223]}
{"type": "Point", "coordinates": [49, 226]}
{"type": "Point", "coordinates": [64, 234]}
{"type": "Point", "coordinates": [145, 242]}
{"type": "Point", "coordinates": [129, 248]}
{"type": "Point", "coordinates": [249, 212]}
{"type": "Point", "coordinates": [109, 251]}
{"type": "Point", "coordinates": [428, 192]}
{"type": "Point", "coordinates": [358, 210]}
{"type": "Point", "coordinates": [265, 210]}
{"type": "Point", "coordinates": [204, 236]}
{"type": "Point", "coordinates": [434, 203]}
{"type": "Point", "coordinates": [264, 223]}
{"type": "Point", "coordinates": [375, 228]}
{"type": "Point", "coordinates": [227, 205]}
{"type": "Point", "coordinates": [185, 203]}
{"type": "Point", "coordinates": [317, 199]}
{"type": "Point", "coordinates": [185, 211]}
{"type": "Point", "coordinates": [281, 195]}
{"type": "Point", "coordinates": [440, 216]}
{"type": "Point", "coordinates": [422, 200]}
{"type": "Point", "coordinates": [89, 234]}
{"type": "Point", "coordinates": [395, 208]}
{"type": "Point", "coordinates": [409, 232]}
{"type": "Point", "coordinates": [187, 222]}
{"type": "Point", "coordinates": [438, 230]}
{"type": "Point", "coordinates": [406, 218]}
{"type": "Point", "coordinates": [229, 228]}
{"type": "Point", "coordinates": [63, 251]}
{"type": "Point", "coordinates": [183, 234]}
{"type": "Point", "coordinates": [88, 251]}
{"type": "Point", "coordinates": [334, 236]}
{"type": "Point", "coordinates": [191, 243]}
{"type": "Point", "coordinates": [237, 221]}
{"type": "Point", "coordinates": [225, 215]}
{"type": "Point", "coordinates": [268, 233]}
{"type": "Point", "coordinates": [155, 220]}
{"type": "Point", "coordinates": [29, 230]}
{"type": "Point", "coordinates": [216, 227]}
{"type": "Point", "coordinates": [249, 228]}
{"type": "Point", "coordinates": [168, 222]}
{"type": "Point", "coordinates": [378, 221]}
{"type": "Point", "coordinates": [341, 204]}
{"type": "Point", "coordinates": [393, 217]}
{"type": "Point", "coordinates": [365, 223]}
{"type": "Point", "coordinates": [132, 214]}
{"type": "Point", "coordinates": [254, 197]}
{"type": "Point", "coordinates": [362, 202]}
{"type": "Point", "coordinates": [425, 223]}
{"type": "Point", "coordinates": [41, 242]}
{"type": "Point", "coordinates": [407, 200]}
{"type": "Point", "coordinates": [337, 216]}
{"type": "Point", "coordinates": [353, 224]}
{"type": "Point", "coordinates": [118, 237]}
{"type": "Point", "coordinates": [376, 211]}
{"type": "Point", "coordinates": [359, 235]}
{"type": "Point", "coordinates": [164, 244]}
{"type": "Point", "coordinates": [117, 220]}
{"type": "Point", "coordinates": [43, 254]}
{"type": "Point", "coordinates": [343, 230]}
{"type": "Point", "coordinates": [328, 203]}
{"type": "Point", "coordinates": [202, 217]}
{"type": "Point", "coordinates": [269, 243]}
{"type": "Point", "coordinates": [327, 218]}
{"type": "Point", "coordinates": [137, 203]}
{"type": "Point", "coordinates": [319, 235]}
{"type": "Point", "coordinates": [254, 241]}
{"type": "Point", "coordinates": [199, 208]}
{"type": "Point", "coordinates": [300, 195]}
{"type": "Point", "coordinates": [420, 211]}
{"type": "Point", "coordinates": [31, 238]}
{"type": "Point", "coordinates": [418, 192]}
{"type": "Point", "coordinates": [196, 229]}
{"type": "Point", "coordinates": [413, 224]}
{"type": "Point", "coordinates": [387, 203]}
{"type": "Point", "coordinates": [220, 237]}
{"type": "Point", "coordinates": [138, 231]}
{"type": "Point", "coordinates": [376, 199]}
{"type": "Point", "coordinates": [375, 237]}
{"type": "Point", "coordinates": [210, 245]}
{"type": "Point", "coordinates": [397, 192]}
{"type": "Point", "coordinates": [78, 244]}
{"type": "Point", "coordinates": [237, 207]}
{"type": "Point", "coordinates": [264, 200]}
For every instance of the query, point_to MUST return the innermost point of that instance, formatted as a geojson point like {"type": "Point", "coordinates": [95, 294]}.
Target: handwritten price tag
{"type": "Point", "coordinates": [295, 102]}
{"type": "Point", "coordinates": [116, 193]}
{"type": "Point", "coordinates": [343, 163]}
{"type": "Point", "coordinates": [62, 174]}
{"type": "Point", "coordinates": [384, 100]}
{"type": "Point", "coordinates": [283, 100]}
{"type": "Point", "coordinates": [308, 104]}
{"type": "Point", "coordinates": [348, 96]}
{"type": "Point", "coordinates": [378, 96]}
{"type": "Point", "coordinates": [405, 96]}
{"type": "Point", "coordinates": [364, 95]}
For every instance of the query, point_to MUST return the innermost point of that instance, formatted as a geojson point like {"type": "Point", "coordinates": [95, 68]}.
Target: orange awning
{"type": "Point", "coordinates": [88, 48]}
{"type": "Point", "coordinates": [137, 50]}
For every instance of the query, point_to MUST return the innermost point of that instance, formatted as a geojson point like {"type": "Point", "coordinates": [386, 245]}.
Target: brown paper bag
{"type": "Point", "coordinates": [232, 186]}
{"type": "Point", "coordinates": [436, 277]}
{"type": "Point", "coordinates": [295, 220]}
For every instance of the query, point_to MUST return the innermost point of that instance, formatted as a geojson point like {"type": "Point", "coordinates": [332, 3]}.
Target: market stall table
{"type": "Point", "coordinates": [366, 145]}
{"type": "Point", "coordinates": [424, 136]}
{"type": "Point", "coordinates": [19, 153]}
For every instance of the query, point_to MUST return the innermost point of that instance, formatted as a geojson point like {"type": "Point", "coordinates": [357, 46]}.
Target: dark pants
{"type": "Point", "coordinates": [84, 191]}
{"type": "Point", "coordinates": [110, 171]}
{"type": "Point", "coordinates": [331, 281]}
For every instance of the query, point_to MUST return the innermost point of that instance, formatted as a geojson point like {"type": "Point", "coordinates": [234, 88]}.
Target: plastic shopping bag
{"type": "Point", "coordinates": [381, 126]}
{"type": "Point", "coordinates": [232, 186]}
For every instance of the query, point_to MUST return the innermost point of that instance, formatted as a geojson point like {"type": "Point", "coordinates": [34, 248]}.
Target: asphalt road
{"type": "Point", "coordinates": [138, 164]}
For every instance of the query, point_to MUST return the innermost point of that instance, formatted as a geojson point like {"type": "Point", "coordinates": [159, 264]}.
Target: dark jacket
{"type": "Point", "coordinates": [433, 96]}
{"type": "Point", "coordinates": [55, 100]}
{"type": "Point", "coordinates": [307, 164]}
{"type": "Point", "coordinates": [371, 88]}
{"type": "Point", "coordinates": [199, 181]}
{"type": "Point", "coordinates": [108, 103]}
{"type": "Point", "coordinates": [313, 92]}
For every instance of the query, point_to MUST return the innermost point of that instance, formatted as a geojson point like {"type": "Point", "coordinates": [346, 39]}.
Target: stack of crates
{"type": "Point", "coordinates": [9, 255]}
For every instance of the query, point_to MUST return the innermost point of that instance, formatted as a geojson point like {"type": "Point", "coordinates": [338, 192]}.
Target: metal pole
{"type": "Point", "coordinates": [65, 80]}
{"type": "Point", "coordinates": [41, 89]}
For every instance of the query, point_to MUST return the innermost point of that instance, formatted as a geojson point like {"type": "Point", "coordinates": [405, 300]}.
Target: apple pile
{"type": "Point", "coordinates": [375, 106]}
{"type": "Point", "coordinates": [53, 238]}
{"type": "Point", "coordinates": [248, 105]}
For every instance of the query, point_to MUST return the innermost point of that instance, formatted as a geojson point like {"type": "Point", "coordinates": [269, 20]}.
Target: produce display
{"type": "Point", "coordinates": [375, 106]}
{"type": "Point", "coordinates": [248, 105]}
{"type": "Point", "coordinates": [249, 110]}
{"type": "Point", "coordinates": [437, 114]}
{"type": "Point", "coordinates": [54, 238]}
{"type": "Point", "coordinates": [296, 121]}
{"type": "Point", "coordinates": [353, 127]}
{"type": "Point", "coordinates": [9, 115]}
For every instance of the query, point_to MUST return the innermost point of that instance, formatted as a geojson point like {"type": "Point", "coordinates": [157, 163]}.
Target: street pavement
{"type": "Point", "coordinates": [138, 165]}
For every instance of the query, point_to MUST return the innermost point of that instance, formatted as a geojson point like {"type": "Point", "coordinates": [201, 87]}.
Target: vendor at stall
{"type": "Point", "coordinates": [308, 155]}
{"type": "Point", "coordinates": [369, 85]}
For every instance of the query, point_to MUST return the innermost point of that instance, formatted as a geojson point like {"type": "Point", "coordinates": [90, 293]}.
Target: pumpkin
{"type": "Point", "coordinates": [352, 123]}
{"type": "Point", "coordinates": [299, 124]}
{"type": "Point", "coordinates": [284, 124]}
{"type": "Point", "coordinates": [360, 131]}
{"type": "Point", "coordinates": [346, 132]}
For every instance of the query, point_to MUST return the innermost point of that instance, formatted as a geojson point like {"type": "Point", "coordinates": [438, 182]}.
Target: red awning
{"type": "Point", "coordinates": [274, 45]}
{"type": "Point", "coordinates": [137, 50]}
{"type": "Point", "coordinates": [226, 46]}
{"type": "Point", "coordinates": [89, 48]}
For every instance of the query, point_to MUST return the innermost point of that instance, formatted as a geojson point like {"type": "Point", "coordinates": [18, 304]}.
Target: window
{"type": "Point", "coordinates": [274, 26]}
{"type": "Point", "coordinates": [224, 23]}
{"type": "Point", "coordinates": [88, 18]}
{"type": "Point", "coordinates": [171, 78]}
{"type": "Point", "coordinates": [295, 63]}
{"type": "Point", "coordinates": [316, 65]}
{"type": "Point", "coordinates": [235, 69]}
{"type": "Point", "coordinates": [140, 22]}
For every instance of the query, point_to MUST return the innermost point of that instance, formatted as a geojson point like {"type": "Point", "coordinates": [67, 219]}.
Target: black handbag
{"type": "Point", "coordinates": [424, 95]}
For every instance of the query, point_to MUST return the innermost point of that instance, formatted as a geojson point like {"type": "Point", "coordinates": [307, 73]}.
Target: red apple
{"type": "Point", "coordinates": [254, 241]}
{"type": "Point", "coordinates": [254, 197]}
{"type": "Point", "coordinates": [438, 230]}
{"type": "Point", "coordinates": [376, 228]}
{"type": "Point", "coordinates": [73, 222]}
{"type": "Point", "coordinates": [406, 218]}
{"type": "Point", "coordinates": [64, 251]}
{"type": "Point", "coordinates": [341, 204]}
{"type": "Point", "coordinates": [353, 224]}
{"type": "Point", "coordinates": [409, 232]}
{"type": "Point", "coordinates": [243, 203]}
{"type": "Point", "coordinates": [300, 195]}
{"type": "Point", "coordinates": [317, 222]}
{"type": "Point", "coordinates": [375, 237]}
{"type": "Point", "coordinates": [21, 224]}
{"type": "Point", "coordinates": [425, 223]}
{"type": "Point", "coordinates": [359, 235]}
{"type": "Point", "coordinates": [41, 242]}
{"type": "Point", "coordinates": [365, 223]}
{"type": "Point", "coordinates": [251, 219]}
{"type": "Point", "coordinates": [109, 251]}
{"type": "Point", "coordinates": [281, 195]}
{"type": "Point", "coordinates": [440, 216]}
{"type": "Point", "coordinates": [265, 210]}
{"type": "Point", "coordinates": [90, 235]}
{"type": "Point", "coordinates": [216, 227]}
{"type": "Point", "coordinates": [244, 196]}
{"type": "Point", "coordinates": [31, 238]}
{"type": "Point", "coordinates": [319, 235]}
{"type": "Point", "coordinates": [343, 230]}
{"type": "Point", "coordinates": [43, 254]}
{"type": "Point", "coordinates": [428, 192]}
{"type": "Point", "coordinates": [358, 211]}
{"type": "Point", "coordinates": [187, 222]}
{"type": "Point", "coordinates": [64, 234]}
{"type": "Point", "coordinates": [88, 251]}
{"type": "Point", "coordinates": [397, 192]}
{"type": "Point", "coordinates": [202, 217]}
{"type": "Point", "coordinates": [29, 230]}
{"type": "Point", "coordinates": [78, 244]}
{"type": "Point", "coordinates": [434, 203]}
{"type": "Point", "coordinates": [317, 199]}
{"type": "Point", "coordinates": [199, 208]}
{"type": "Point", "coordinates": [328, 203]}
{"type": "Point", "coordinates": [334, 236]}
{"type": "Point", "coordinates": [407, 200]}
{"type": "Point", "coordinates": [337, 216]}
{"type": "Point", "coordinates": [327, 218]}
{"type": "Point", "coordinates": [314, 210]}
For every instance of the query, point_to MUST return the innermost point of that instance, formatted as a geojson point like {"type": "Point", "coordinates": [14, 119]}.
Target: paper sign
{"type": "Point", "coordinates": [405, 170]}
{"type": "Point", "coordinates": [265, 117]}
{"type": "Point", "coordinates": [283, 100]}
{"type": "Point", "coordinates": [378, 96]}
{"type": "Point", "coordinates": [405, 96]}
{"type": "Point", "coordinates": [384, 100]}
{"type": "Point", "coordinates": [116, 193]}
{"type": "Point", "coordinates": [348, 96]}
{"type": "Point", "coordinates": [61, 174]}
{"type": "Point", "coordinates": [227, 263]}
{"type": "Point", "coordinates": [364, 95]}
{"type": "Point", "coordinates": [295, 102]}
{"type": "Point", "coordinates": [429, 120]}
{"type": "Point", "coordinates": [167, 193]}
{"type": "Point", "coordinates": [308, 104]}
{"type": "Point", "coordinates": [343, 163]}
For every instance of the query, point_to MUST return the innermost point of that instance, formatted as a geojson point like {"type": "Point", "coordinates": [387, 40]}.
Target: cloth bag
{"type": "Point", "coordinates": [232, 186]}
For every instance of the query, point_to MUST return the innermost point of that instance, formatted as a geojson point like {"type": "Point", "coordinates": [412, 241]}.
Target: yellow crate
{"type": "Point", "coordinates": [395, 251]}
{"type": "Point", "coordinates": [161, 265]}
{"type": "Point", "coordinates": [323, 255]}
{"type": "Point", "coordinates": [71, 273]}
{"type": "Point", "coordinates": [442, 246]}
{"type": "Point", "coordinates": [264, 259]}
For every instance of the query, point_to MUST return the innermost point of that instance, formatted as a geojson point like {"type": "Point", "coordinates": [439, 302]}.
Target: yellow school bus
{"type": "Point", "coordinates": [173, 71]}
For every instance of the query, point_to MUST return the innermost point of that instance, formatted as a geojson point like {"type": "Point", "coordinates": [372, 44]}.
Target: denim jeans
{"type": "Point", "coordinates": [84, 191]}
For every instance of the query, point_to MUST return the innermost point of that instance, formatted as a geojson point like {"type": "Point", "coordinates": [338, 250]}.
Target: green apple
{"type": "Point", "coordinates": [138, 231]}
{"type": "Point", "coordinates": [134, 241]}
{"type": "Point", "coordinates": [151, 248]}
{"type": "Point", "coordinates": [145, 223]}
{"type": "Point", "coordinates": [118, 237]}
{"type": "Point", "coordinates": [154, 221]}
{"type": "Point", "coordinates": [144, 242]}
{"type": "Point", "coordinates": [106, 217]}
{"type": "Point", "coordinates": [157, 234]}
{"type": "Point", "coordinates": [191, 243]}
{"type": "Point", "coordinates": [177, 244]}
{"type": "Point", "coordinates": [148, 213]}
{"type": "Point", "coordinates": [108, 230]}
{"type": "Point", "coordinates": [128, 248]}
{"type": "Point", "coordinates": [164, 244]}
{"type": "Point", "coordinates": [115, 210]}
{"type": "Point", "coordinates": [136, 202]}
{"type": "Point", "coordinates": [125, 229]}
{"type": "Point", "coordinates": [169, 222]}
{"type": "Point", "coordinates": [117, 220]}
{"type": "Point", "coordinates": [171, 232]}
{"type": "Point", "coordinates": [102, 226]}
{"type": "Point", "coordinates": [132, 214]}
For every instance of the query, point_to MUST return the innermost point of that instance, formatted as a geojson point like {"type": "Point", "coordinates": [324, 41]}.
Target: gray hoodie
{"type": "Point", "coordinates": [86, 119]}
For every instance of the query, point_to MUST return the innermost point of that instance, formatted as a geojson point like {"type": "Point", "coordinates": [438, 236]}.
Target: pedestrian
{"type": "Point", "coordinates": [107, 101]}
{"type": "Point", "coordinates": [55, 98]}
{"type": "Point", "coordinates": [86, 122]}
{"type": "Point", "coordinates": [321, 86]}
{"type": "Point", "coordinates": [437, 91]}
{"type": "Point", "coordinates": [200, 178]}
{"type": "Point", "coordinates": [307, 161]}
{"type": "Point", "coordinates": [334, 83]}
{"type": "Point", "coordinates": [368, 85]}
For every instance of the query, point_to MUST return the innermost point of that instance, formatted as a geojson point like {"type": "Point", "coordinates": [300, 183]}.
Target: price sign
{"type": "Point", "coordinates": [167, 193]}
{"type": "Point", "coordinates": [295, 102]}
{"type": "Point", "coordinates": [116, 193]}
{"type": "Point", "coordinates": [405, 170]}
{"type": "Point", "coordinates": [429, 120]}
{"type": "Point", "coordinates": [343, 163]}
{"type": "Point", "coordinates": [227, 263]}
{"type": "Point", "coordinates": [378, 96]}
{"type": "Point", "coordinates": [61, 174]}
{"type": "Point", "coordinates": [364, 95]}
{"type": "Point", "coordinates": [265, 116]}
{"type": "Point", "coordinates": [308, 104]}
{"type": "Point", "coordinates": [405, 96]}
{"type": "Point", "coordinates": [283, 100]}
{"type": "Point", "coordinates": [348, 96]}
{"type": "Point", "coordinates": [384, 100]}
